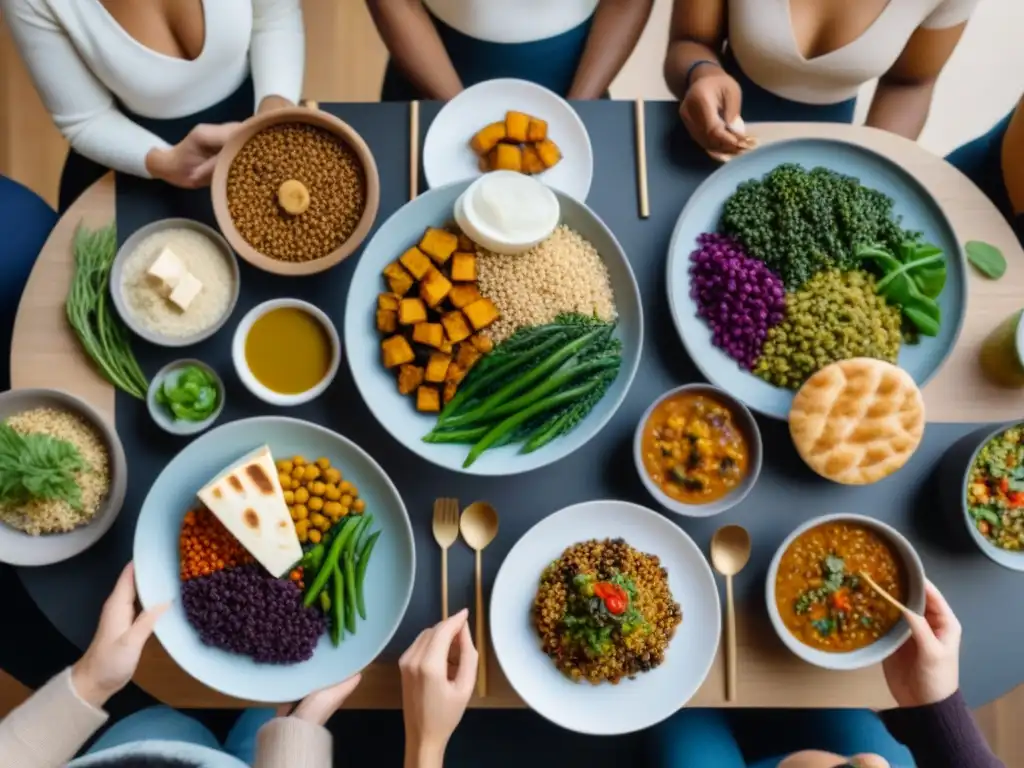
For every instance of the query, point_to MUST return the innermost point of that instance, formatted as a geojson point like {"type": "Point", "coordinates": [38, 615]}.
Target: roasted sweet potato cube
{"type": "Point", "coordinates": [465, 244]}
{"type": "Point", "coordinates": [455, 373]}
{"type": "Point", "coordinates": [434, 288]}
{"type": "Point", "coordinates": [487, 137]}
{"type": "Point", "coordinates": [467, 357]}
{"type": "Point", "coordinates": [439, 244]}
{"type": "Point", "coordinates": [450, 388]}
{"type": "Point", "coordinates": [464, 267]}
{"type": "Point", "coordinates": [409, 378]}
{"type": "Point", "coordinates": [412, 311]}
{"type": "Point", "coordinates": [388, 301]}
{"type": "Point", "coordinates": [455, 326]}
{"type": "Point", "coordinates": [537, 130]}
{"type": "Point", "coordinates": [516, 124]}
{"type": "Point", "coordinates": [446, 347]}
{"type": "Point", "coordinates": [399, 281]}
{"type": "Point", "coordinates": [481, 313]}
{"type": "Point", "coordinates": [397, 351]}
{"type": "Point", "coordinates": [507, 157]}
{"type": "Point", "coordinates": [463, 295]}
{"type": "Point", "coordinates": [482, 343]}
{"type": "Point", "coordinates": [431, 334]}
{"type": "Point", "coordinates": [387, 320]}
{"type": "Point", "coordinates": [532, 164]}
{"type": "Point", "coordinates": [437, 367]}
{"type": "Point", "coordinates": [428, 399]}
{"type": "Point", "coordinates": [549, 152]}
{"type": "Point", "coordinates": [416, 262]}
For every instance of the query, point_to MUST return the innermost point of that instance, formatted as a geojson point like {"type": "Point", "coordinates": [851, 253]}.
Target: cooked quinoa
{"type": "Point", "coordinates": [995, 490]}
{"type": "Point", "coordinates": [38, 517]}
{"type": "Point", "coordinates": [626, 653]}
{"type": "Point", "coordinates": [565, 273]}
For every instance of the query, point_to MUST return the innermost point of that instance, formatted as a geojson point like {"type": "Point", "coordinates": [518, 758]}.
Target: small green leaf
{"type": "Point", "coordinates": [986, 258]}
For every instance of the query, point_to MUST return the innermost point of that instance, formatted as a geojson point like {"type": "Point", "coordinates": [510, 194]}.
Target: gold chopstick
{"type": "Point", "coordinates": [414, 149]}
{"type": "Point", "coordinates": [641, 160]}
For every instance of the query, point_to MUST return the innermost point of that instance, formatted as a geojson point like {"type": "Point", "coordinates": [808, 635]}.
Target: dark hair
{"type": "Point", "coordinates": [143, 761]}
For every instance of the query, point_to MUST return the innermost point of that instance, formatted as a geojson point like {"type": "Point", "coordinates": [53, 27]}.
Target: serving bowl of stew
{"type": "Point", "coordinates": [697, 450]}
{"type": "Point", "coordinates": [819, 602]}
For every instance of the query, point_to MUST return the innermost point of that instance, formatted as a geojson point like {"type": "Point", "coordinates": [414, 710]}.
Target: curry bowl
{"type": "Point", "coordinates": [698, 450]}
{"type": "Point", "coordinates": [286, 351]}
{"type": "Point", "coordinates": [295, 191]}
{"type": "Point", "coordinates": [834, 619]}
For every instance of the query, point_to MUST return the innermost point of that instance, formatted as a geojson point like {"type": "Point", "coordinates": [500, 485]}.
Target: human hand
{"type": "Point", "coordinates": [438, 674]}
{"type": "Point", "coordinates": [271, 103]}
{"type": "Point", "coordinates": [320, 706]}
{"type": "Point", "coordinates": [190, 162]}
{"type": "Point", "coordinates": [926, 669]}
{"type": "Point", "coordinates": [113, 656]}
{"type": "Point", "coordinates": [711, 111]}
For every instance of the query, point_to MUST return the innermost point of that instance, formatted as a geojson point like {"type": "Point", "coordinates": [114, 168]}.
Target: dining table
{"type": "Point", "coordinates": [959, 401]}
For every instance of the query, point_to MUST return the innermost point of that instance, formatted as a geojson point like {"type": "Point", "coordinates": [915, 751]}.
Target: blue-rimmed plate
{"type": "Point", "coordinates": [397, 413]}
{"type": "Point", "coordinates": [389, 576]}
{"type": "Point", "coordinates": [913, 202]}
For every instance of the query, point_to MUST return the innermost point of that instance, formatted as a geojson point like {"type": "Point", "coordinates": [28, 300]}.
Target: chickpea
{"type": "Point", "coordinates": [359, 506]}
{"type": "Point", "coordinates": [312, 472]}
{"type": "Point", "coordinates": [346, 500]}
{"type": "Point", "coordinates": [300, 511]}
{"type": "Point", "coordinates": [284, 465]}
{"type": "Point", "coordinates": [302, 527]}
{"type": "Point", "coordinates": [333, 509]}
{"type": "Point", "coordinates": [331, 492]}
{"type": "Point", "coordinates": [299, 461]}
{"type": "Point", "coordinates": [346, 487]}
{"type": "Point", "coordinates": [286, 481]}
{"type": "Point", "coordinates": [323, 462]}
{"type": "Point", "coordinates": [301, 496]}
{"type": "Point", "coordinates": [316, 519]}
{"type": "Point", "coordinates": [318, 488]}
{"type": "Point", "coordinates": [315, 504]}
{"type": "Point", "coordinates": [298, 473]}
{"type": "Point", "coordinates": [315, 536]}
{"type": "Point", "coordinates": [289, 497]}
{"type": "Point", "coordinates": [332, 475]}
{"type": "Point", "coordinates": [325, 526]}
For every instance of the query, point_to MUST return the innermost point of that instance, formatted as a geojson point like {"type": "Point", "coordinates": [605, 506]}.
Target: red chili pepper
{"type": "Point", "coordinates": [1004, 485]}
{"type": "Point", "coordinates": [615, 598]}
{"type": "Point", "coordinates": [1016, 499]}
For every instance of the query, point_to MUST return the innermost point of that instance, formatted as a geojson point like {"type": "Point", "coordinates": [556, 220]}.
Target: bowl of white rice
{"type": "Point", "coordinates": [62, 476]}
{"type": "Point", "coordinates": [175, 282]}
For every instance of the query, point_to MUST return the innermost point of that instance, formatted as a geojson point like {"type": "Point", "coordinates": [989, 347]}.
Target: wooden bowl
{"type": "Point", "coordinates": [327, 122]}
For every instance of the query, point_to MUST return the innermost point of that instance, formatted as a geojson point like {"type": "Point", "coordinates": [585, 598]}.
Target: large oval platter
{"type": "Point", "coordinates": [389, 577]}
{"type": "Point", "coordinates": [918, 209]}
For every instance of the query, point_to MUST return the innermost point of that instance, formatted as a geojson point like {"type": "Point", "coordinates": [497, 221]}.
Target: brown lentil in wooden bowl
{"type": "Point", "coordinates": [290, 228]}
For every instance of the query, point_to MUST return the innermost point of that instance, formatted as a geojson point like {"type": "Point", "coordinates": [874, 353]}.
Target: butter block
{"type": "Point", "coordinates": [167, 271]}
{"type": "Point", "coordinates": [185, 291]}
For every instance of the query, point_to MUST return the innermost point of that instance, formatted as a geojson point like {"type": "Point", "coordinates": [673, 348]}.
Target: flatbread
{"type": "Point", "coordinates": [857, 421]}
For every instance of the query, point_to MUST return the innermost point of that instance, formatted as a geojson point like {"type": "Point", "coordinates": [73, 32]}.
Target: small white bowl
{"type": "Point", "coordinates": [480, 233]}
{"type": "Point", "coordinates": [884, 646]}
{"type": "Point", "coordinates": [163, 418]}
{"type": "Point", "coordinates": [242, 366]}
{"type": "Point", "coordinates": [746, 423]}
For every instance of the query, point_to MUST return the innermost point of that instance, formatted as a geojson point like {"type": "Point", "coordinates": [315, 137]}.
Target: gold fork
{"type": "Point", "coordinates": [446, 531]}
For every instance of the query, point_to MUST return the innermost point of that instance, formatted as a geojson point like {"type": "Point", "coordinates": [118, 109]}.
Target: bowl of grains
{"type": "Point", "coordinates": [295, 191]}
{"type": "Point", "coordinates": [605, 607]}
{"type": "Point", "coordinates": [436, 326]}
{"type": "Point", "coordinates": [175, 282]}
{"type": "Point", "coordinates": [62, 476]}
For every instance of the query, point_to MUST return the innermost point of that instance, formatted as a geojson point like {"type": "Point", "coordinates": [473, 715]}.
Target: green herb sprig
{"type": "Point", "coordinates": [38, 467]}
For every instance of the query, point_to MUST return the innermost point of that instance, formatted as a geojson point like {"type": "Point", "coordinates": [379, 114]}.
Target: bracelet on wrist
{"type": "Point", "coordinates": [693, 67]}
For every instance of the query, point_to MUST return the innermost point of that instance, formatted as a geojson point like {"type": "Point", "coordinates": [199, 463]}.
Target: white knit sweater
{"type": "Point", "coordinates": [81, 59]}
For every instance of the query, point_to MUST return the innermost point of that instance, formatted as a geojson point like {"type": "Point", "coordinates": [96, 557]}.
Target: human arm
{"type": "Point", "coordinates": [438, 674]}
{"type": "Point", "coordinates": [300, 740]}
{"type": "Point", "coordinates": [932, 719]}
{"type": "Point", "coordinates": [413, 42]}
{"type": "Point", "coordinates": [710, 99]}
{"type": "Point", "coordinates": [613, 35]}
{"type": "Point", "coordinates": [277, 53]}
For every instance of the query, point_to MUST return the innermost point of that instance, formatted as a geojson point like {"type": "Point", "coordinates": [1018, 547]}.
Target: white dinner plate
{"type": "Point", "coordinates": [447, 156]}
{"type": "Point", "coordinates": [605, 709]}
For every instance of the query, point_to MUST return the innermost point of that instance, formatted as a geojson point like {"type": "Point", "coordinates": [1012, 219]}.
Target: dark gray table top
{"type": "Point", "coordinates": [982, 593]}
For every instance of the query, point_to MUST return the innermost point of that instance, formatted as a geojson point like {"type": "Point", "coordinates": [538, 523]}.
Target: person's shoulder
{"type": "Point", "coordinates": [40, 11]}
{"type": "Point", "coordinates": [941, 14]}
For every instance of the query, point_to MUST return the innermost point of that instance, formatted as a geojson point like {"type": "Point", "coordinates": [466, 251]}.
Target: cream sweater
{"type": "Point", "coordinates": [48, 729]}
{"type": "Point", "coordinates": [83, 62]}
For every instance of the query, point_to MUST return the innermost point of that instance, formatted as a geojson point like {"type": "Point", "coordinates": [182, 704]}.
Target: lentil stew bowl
{"type": "Point", "coordinates": [649, 670]}
{"type": "Point", "coordinates": [821, 608]}
{"type": "Point", "coordinates": [295, 191]}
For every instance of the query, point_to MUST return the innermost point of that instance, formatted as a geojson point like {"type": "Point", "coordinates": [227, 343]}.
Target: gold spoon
{"type": "Point", "coordinates": [479, 526]}
{"type": "Point", "coordinates": [892, 600]}
{"type": "Point", "coordinates": [730, 551]}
